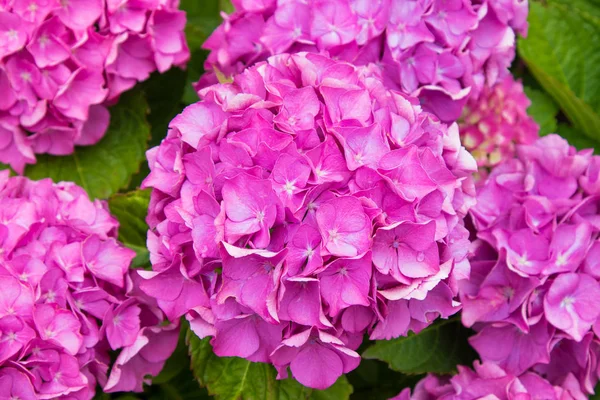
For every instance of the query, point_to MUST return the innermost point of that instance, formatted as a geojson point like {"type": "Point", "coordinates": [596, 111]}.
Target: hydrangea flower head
{"type": "Point", "coordinates": [496, 122]}
{"type": "Point", "coordinates": [301, 206]}
{"type": "Point", "coordinates": [488, 380]}
{"type": "Point", "coordinates": [443, 52]}
{"type": "Point", "coordinates": [68, 299]}
{"type": "Point", "coordinates": [534, 292]}
{"type": "Point", "coordinates": [63, 62]}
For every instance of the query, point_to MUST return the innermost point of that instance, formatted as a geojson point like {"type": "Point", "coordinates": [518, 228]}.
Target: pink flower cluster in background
{"type": "Point", "coordinates": [61, 62]}
{"type": "Point", "coordinates": [489, 381]}
{"type": "Point", "coordinates": [67, 300]}
{"type": "Point", "coordinates": [534, 291]}
{"type": "Point", "coordinates": [442, 51]}
{"type": "Point", "coordinates": [497, 121]}
{"type": "Point", "coordinates": [301, 206]}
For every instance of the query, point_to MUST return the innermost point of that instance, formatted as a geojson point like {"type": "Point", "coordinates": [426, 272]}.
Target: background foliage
{"type": "Point", "coordinates": [558, 64]}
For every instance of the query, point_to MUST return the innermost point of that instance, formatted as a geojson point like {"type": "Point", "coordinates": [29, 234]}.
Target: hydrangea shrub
{"type": "Point", "coordinates": [441, 51]}
{"type": "Point", "coordinates": [534, 291]}
{"type": "Point", "coordinates": [63, 62]}
{"type": "Point", "coordinates": [302, 206]}
{"type": "Point", "coordinates": [72, 316]}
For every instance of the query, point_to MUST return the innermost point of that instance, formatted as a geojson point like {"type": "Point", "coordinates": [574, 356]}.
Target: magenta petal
{"type": "Point", "coordinates": [106, 260]}
{"type": "Point", "coordinates": [122, 325]}
{"type": "Point", "coordinates": [513, 350]}
{"type": "Point", "coordinates": [344, 227]}
{"type": "Point", "coordinates": [572, 303]}
{"type": "Point", "coordinates": [346, 282]}
{"type": "Point", "coordinates": [16, 384]}
{"type": "Point", "coordinates": [301, 302]}
{"type": "Point", "coordinates": [59, 326]}
{"type": "Point", "coordinates": [237, 337]}
{"type": "Point", "coordinates": [316, 366]}
{"type": "Point", "coordinates": [77, 15]}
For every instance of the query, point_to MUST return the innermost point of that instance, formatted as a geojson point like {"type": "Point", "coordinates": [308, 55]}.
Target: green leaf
{"type": "Point", "coordinates": [5, 166]}
{"type": "Point", "coordinates": [108, 166]}
{"type": "Point", "coordinates": [225, 5]}
{"type": "Point", "coordinates": [131, 210]}
{"type": "Point", "coordinates": [202, 19]}
{"type": "Point", "coordinates": [341, 389]}
{"type": "Point", "coordinates": [373, 380]}
{"type": "Point", "coordinates": [164, 93]}
{"type": "Point", "coordinates": [195, 71]}
{"type": "Point", "coordinates": [439, 349]}
{"type": "Point", "coordinates": [587, 9]}
{"type": "Point", "coordinates": [180, 389]}
{"type": "Point", "coordinates": [232, 378]}
{"type": "Point", "coordinates": [562, 51]}
{"type": "Point", "coordinates": [543, 110]}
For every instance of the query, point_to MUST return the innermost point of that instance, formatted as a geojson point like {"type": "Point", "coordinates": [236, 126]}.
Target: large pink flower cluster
{"type": "Point", "coordinates": [302, 205]}
{"type": "Point", "coordinates": [442, 51]}
{"type": "Point", "coordinates": [62, 61]}
{"type": "Point", "coordinates": [534, 291]}
{"type": "Point", "coordinates": [67, 300]}
{"type": "Point", "coordinates": [496, 122]}
{"type": "Point", "coordinates": [489, 381]}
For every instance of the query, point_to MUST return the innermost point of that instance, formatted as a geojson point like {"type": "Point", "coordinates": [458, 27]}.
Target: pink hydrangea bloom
{"type": "Point", "coordinates": [489, 381]}
{"type": "Point", "coordinates": [496, 122]}
{"type": "Point", "coordinates": [442, 51]}
{"type": "Point", "coordinates": [68, 299]}
{"type": "Point", "coordinates": [63, 62]}
{"type": "Point", "coordinates": [534, 292]}
{"type": "Point", "coordinates": [303, 205]}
